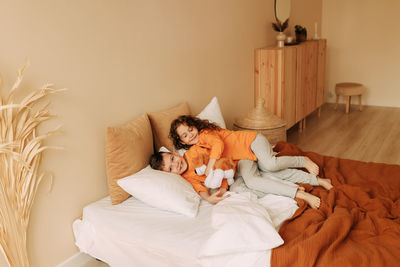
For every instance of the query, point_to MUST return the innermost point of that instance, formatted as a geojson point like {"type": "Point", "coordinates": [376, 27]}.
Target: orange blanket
{"type": "Point", "coordinates": [358, 223]}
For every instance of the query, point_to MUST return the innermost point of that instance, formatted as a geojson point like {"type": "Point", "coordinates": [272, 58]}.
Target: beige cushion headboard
{"type": "Point", "coordinates": [128, 149]}
{"type": "Point", "coordinates": [161, 122]}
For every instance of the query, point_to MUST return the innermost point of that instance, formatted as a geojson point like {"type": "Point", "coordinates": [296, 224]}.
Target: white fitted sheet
{"type": "Point", "coordinates": [135, 234]}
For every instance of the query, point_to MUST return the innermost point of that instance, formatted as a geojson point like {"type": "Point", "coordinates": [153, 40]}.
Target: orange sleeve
{"type": "Point", "coordinates": [190, 175]}
{"type": "Point", "coordinates": [197, 185]}
{"type": "Point", "coordinates": [214, 142]}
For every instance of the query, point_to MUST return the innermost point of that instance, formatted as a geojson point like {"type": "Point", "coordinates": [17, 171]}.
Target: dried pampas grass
{"type": "Point", "coordinates": [21, 151]}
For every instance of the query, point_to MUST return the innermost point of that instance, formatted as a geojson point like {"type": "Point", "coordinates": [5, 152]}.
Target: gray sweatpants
{"type": "Point", "coordinates": [267, 162]}
{"type": "Point", "coordinates": [279, 183]}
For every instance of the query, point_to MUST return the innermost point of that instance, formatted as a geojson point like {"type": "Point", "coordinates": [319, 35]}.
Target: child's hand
{"type": "Point", "coordinates": [210, 166]}
{"type": "Point", "coordinates": [217, 196]}
{"type": "Point", "coordinates": [223, 190]}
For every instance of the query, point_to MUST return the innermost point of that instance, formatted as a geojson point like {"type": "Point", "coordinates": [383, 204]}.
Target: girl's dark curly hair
{"type": "Point", "coordinates": [189, 121]}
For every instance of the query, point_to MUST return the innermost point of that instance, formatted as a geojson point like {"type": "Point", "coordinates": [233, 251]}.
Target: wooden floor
{"type": "Point", "coordinates": [369, 135]}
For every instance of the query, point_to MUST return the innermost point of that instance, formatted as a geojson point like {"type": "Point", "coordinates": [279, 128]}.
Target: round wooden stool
{"type": "Point", "coordinates": [348, 90]}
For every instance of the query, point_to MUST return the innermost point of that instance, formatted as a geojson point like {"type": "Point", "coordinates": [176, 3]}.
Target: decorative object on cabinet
{"type": "Point", "coordinates": [264, 122]}
{"type": "Point", "coordinates": [291, 80]}
{"type": "Point", "coordinates": [289, 40]}
{"type": "Point", "coordinates": [301, 33]}
{"type": "Point", "coordinates": [348, 90]}
{"type": "Point", "coordinates": [316, 37]}
{"type": "Point", "coordinates": [282, 12]}
{"type": "Point", "coordinates": [21, 148]}
{"type": "Point", "coordinates": [281, 39]}
{"type": "Point", "coordinates": [280, 27]}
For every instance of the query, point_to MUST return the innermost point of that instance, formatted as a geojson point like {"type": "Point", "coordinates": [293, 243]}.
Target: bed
{"type": "Point", "coordinates": [357, 224]}
{"type": "Point", "coordinates": [136, 234]}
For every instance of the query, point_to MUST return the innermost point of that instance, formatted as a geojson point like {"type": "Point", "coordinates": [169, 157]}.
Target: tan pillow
{"type": "Point", "coordinates": [161, 122]}
{"type": "Point", "coordinates": [128, 149]}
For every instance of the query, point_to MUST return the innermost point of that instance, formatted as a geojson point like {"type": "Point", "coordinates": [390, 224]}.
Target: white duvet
{"type": "Point", "coordinates": [245, 229]}
{"type": "Point", "coordinates": [239, 231]}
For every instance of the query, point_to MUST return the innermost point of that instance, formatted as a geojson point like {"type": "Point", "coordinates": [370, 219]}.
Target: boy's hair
{"type": "Point", "coordinates": [189, 121]}
{"type": "Point", "coordinates": [156, 160]}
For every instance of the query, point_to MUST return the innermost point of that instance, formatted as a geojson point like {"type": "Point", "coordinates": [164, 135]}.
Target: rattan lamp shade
{"type": "Point", "coordinates": [264, 122]}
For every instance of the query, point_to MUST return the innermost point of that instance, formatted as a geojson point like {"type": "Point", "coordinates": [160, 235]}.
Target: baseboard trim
{"type": "Point", "coordinates": [80, 259]}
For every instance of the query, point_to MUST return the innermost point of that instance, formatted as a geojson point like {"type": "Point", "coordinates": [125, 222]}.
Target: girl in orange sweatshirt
{"type": "Point", "coordinates": [249, 147]}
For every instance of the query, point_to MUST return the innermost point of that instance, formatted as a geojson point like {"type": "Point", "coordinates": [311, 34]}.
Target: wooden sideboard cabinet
{"type": "Point", "coordinates": [291, 79]}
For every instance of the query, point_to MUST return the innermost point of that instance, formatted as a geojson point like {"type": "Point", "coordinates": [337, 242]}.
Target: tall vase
{"type": "Point", "coordinates": [281, 39]}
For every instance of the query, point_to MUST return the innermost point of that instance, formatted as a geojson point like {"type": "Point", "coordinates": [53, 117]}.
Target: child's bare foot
{"type": "Point", "coordinates": [311, 166]}
{"type": "Point", "coordinates": [325, 183]}
{"type": "Point", "coordinates": [312, 200]}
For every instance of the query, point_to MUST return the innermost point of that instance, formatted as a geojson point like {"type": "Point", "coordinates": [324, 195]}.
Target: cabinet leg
{"type": "Point", "coordinates": [302, 125]}
{"type": "Point", "coordinates": [359, 100]}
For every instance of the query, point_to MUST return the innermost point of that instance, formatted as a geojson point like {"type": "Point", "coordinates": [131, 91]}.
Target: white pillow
{"type": "Point", "coordinates": [164, 149]}
{"type": "Point", "coordinates": [162, 190]}
{"type": "Point", "coordinates": [212, 112]}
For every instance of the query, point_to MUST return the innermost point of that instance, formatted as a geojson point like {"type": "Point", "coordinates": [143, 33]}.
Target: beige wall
{"type": "Point", "coordinates": [363, 46]}
{"type": "Point", "coordinates": [306, 13]}
{"type": "Point", "coordinates": [119, 59]}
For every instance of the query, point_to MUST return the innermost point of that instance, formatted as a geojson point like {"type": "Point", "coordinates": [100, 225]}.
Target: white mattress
{"type": "Point", "coordinates": [135, 234]}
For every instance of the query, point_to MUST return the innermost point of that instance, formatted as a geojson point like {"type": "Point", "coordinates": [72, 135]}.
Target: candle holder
{"type": "Point", "coordinates": [316, 37]}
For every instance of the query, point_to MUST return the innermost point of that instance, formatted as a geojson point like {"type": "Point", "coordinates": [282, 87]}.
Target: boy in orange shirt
{"type": "Point", "coordinates": [183, 165]}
